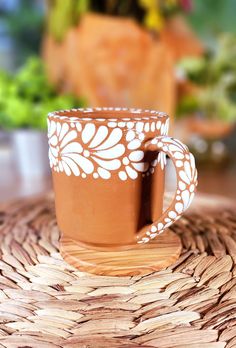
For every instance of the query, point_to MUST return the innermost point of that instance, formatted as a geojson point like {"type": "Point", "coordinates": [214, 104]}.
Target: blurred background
{"type": "Point", "coordinates": [177, 56]}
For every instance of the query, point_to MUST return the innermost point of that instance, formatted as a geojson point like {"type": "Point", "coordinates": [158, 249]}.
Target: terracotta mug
{"type": "Point", "coordinates": [108, 167]}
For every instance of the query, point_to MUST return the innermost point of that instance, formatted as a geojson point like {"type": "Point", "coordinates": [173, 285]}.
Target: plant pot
{"type": "Point", "coordinates": [112, 61]}
{"type": "Point", "coordinates": [30, 153]}
{"type": "Point", "coordinates": [207, 140]}
{"type": "Point", "coordinates": [209, 129]}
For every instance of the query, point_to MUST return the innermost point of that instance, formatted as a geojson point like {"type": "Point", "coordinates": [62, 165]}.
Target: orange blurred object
{"type": "Point", "coordinates": [113, 62]}
{"type": "Point", "coordinates": [209, 128]}
{"type": "Point", "coordinates": [180, 39]}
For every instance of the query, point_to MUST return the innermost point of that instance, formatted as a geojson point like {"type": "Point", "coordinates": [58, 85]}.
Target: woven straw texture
{"type": "Point", "coordinates": [44, 302]}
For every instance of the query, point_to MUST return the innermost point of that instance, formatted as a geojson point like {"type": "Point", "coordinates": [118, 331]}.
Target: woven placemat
{"type": "Point", "coordinates": [44, 302]}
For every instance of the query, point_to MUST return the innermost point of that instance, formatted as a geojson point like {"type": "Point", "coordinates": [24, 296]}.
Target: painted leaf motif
{"type": "Point", "coordinates": [53, 140]}
{"type": "Point", "coordinates": [136, 156]}
{"type": "Point", "coordinates": [112, 140]}
{"type": "Point", "coordinates": [99, 137]}
{"type": "Point", "coordinates": [105, 174]}
{"type": "Point", "coordinates": [134, 144]}
{"type": "Point", "coordinates": [185, 196]}
{"type": "Point", "coordinates": [67, 138]}
{"type": "Point", "coordinates": [184, 177]}
{"type": "Point", "coordinates": [114, 152]}
{"type": "Point", "coordinates": [130, 135]}
{"type": "Point", "coordinates": [131, 172]}
{"type": "Point", "coordinates": [64, 130]}
{"type": "Point", "coordinates": [81, 161]}
{"type": "Point", "coordinates": [88, 132]}
{"type": "Point", "coordinates": [72, 165]}
{"type": "Point", "coordinates": [72, 148]}
{"type": "Point", "coordinates": [140, 167]}
{"type": "Point", "coordinates": [110, 165]}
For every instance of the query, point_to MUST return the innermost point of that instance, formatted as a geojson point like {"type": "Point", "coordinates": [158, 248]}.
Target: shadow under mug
{"type": "Point", "coordinates": [108, 167]}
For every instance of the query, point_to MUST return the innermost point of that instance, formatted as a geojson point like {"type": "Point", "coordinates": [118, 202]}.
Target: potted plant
{"type": "Point", "coordinates": [207, 99]}
{"type": "Point", "coordinates": [113, 52]}
{"type": "Point", "coordinates": [25, 100]}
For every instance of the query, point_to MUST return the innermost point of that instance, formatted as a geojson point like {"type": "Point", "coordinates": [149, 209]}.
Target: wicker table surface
{"type": "Point", "coordinates": [44, 302]}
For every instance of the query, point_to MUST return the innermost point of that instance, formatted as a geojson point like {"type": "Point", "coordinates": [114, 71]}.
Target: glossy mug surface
{"type": "Point", "coordinates": [108, 168]}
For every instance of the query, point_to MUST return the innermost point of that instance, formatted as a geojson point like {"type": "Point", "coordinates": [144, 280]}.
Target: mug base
{"type": "Point", "coordinates": [144, 259]}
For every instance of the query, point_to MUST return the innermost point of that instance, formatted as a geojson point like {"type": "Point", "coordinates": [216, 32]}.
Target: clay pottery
{"type": "Point", "coordinates": [108, 167]}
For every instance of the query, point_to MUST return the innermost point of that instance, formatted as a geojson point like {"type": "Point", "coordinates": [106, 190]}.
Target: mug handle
{"type": "Point", "coordinates": [186, 173]}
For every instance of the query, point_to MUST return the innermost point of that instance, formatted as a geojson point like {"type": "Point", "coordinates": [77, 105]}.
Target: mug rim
{"type": "Point", "coordinates": [96, 114]}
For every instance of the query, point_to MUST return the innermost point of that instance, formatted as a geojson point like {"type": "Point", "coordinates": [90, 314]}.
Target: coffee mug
{"type": "Point", "coordinates": [108, 168]}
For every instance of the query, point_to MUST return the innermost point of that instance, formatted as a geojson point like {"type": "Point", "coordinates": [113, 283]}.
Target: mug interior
{"type": "Point", "coordinates": [111, 114]}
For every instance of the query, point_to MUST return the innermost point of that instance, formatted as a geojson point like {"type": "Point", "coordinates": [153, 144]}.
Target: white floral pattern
{"type": "Point", "coordinates": [90, 148]}
{"type": "Point", "coordinates": [75, 157]}
{"type": "Point", "coordinates": [133, 165]}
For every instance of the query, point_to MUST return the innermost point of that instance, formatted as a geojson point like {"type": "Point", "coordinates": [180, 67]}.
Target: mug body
{"type": "Point", "coordinates": [107, 186]}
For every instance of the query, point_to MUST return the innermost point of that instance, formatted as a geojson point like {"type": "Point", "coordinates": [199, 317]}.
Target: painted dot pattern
{"type": "Point", "coordinates": [82, 146]}
{"type": "Point", "coordinates": [186, 184]}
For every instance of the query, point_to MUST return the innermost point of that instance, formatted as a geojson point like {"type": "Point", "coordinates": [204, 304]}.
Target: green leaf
{"type": "Point", "coordinates": [27, 98]}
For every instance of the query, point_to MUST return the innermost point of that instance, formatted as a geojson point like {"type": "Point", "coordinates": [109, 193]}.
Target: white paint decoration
{"type": "Point", "coordinates": [102, 147]}
{"type": "Point", "coordinates": [84, 146]}
{"type": "Point", "coordinates": [186, 184]}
